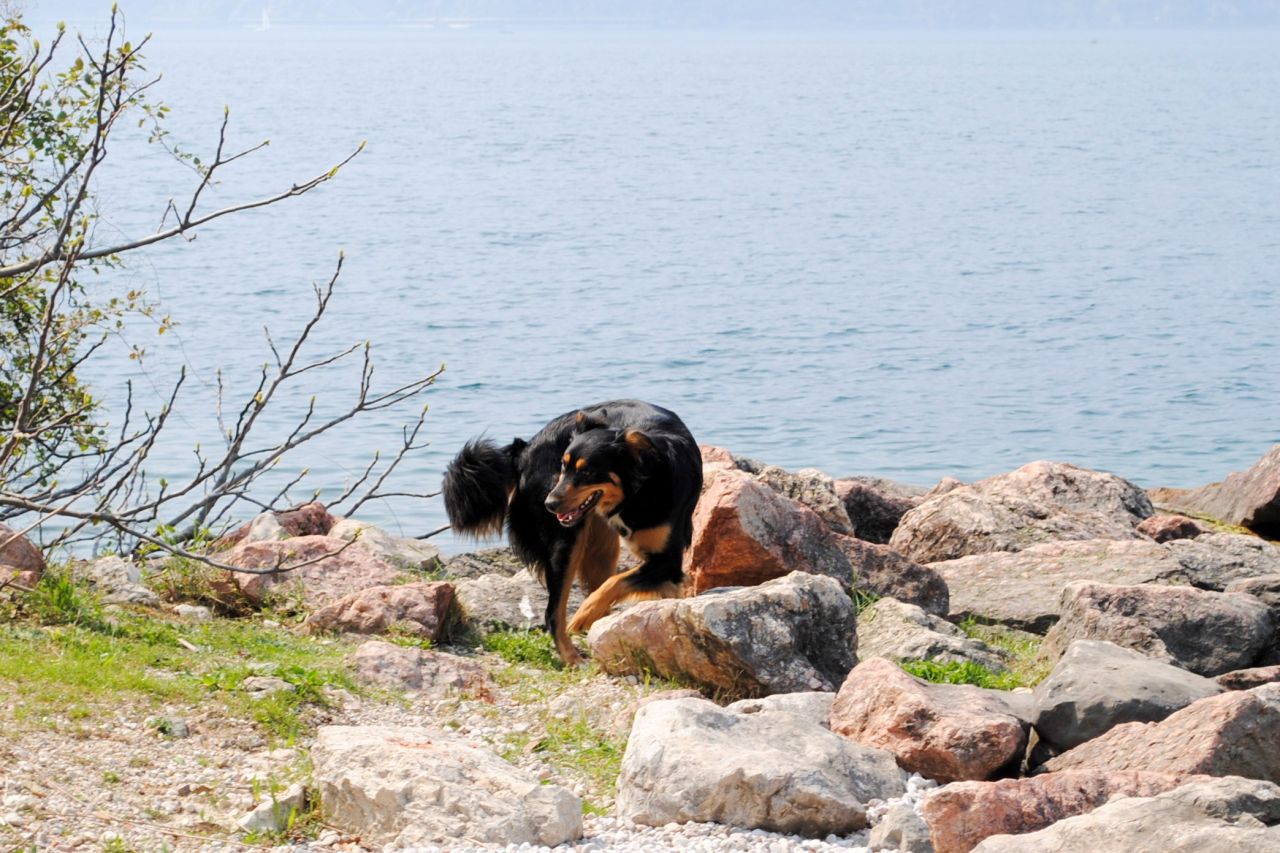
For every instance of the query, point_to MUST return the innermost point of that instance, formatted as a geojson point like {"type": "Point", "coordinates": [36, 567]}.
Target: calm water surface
{"type": "Point", "coordinates": [910, 255]}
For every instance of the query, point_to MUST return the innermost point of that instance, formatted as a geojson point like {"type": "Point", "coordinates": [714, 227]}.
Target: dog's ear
{"type": "Point", "coordinates": [516, 445]}
{"type": "Point", "coordinates": [584, 421]}
{"type": "Point", "coordinates": [637, 441]}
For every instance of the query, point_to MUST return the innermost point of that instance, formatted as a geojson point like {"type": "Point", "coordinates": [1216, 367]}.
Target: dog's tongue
{"type": "Point", "coordinates": [566, 516]}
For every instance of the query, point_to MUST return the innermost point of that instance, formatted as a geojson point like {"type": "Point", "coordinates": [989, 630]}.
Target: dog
{"type": "Point", "coordinates": [624, 471]}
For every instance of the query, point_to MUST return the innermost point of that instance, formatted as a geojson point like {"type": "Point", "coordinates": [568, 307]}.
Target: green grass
{"type": "Point", "coordinates": [64, 658]}
{"type": "Point", "coordinates": [1023, 649]}
{"type": "Point", "coordinates": [961, 672]}
{"type": "Point", "coordinates": [535, 648]}
{"type": "Point", "coordinates": [863, 598]}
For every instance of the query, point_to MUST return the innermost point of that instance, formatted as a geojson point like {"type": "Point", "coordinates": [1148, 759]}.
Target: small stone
{"type": "Point", "coordinates": [265, 685]}
{"type": "Point", "coordinates": [193, 611]}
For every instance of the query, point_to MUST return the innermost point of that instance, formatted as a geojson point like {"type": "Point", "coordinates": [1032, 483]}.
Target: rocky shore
{"type": "Point", "coordinates": [1048, 659]}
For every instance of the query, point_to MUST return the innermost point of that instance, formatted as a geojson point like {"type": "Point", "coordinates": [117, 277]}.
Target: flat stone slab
{"type": "Point", "coordinates": [1023, 589]}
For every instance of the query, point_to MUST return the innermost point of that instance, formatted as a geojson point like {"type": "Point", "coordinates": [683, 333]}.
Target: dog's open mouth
{"type": "Point", "coordinates": [573, 516]}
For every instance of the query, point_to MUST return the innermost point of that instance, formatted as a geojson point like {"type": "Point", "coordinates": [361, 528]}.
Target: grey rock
{"type": "Point", "coordinates": [1097, 685]}
{"type": "Point", "coordinates": [1231, 734]}
{"type": "Point", "coordinates": [1023, 590]}
{"type": "Point", "coordinates": [812, 488]}
{"type": "Point", "coordinates": [265, 685]}
{"type": "Point", "coordinates": [1039, 502]}
{"type": "Point", "coordinates": [433, 673]}
{"type": "Point", "coordinates": [499, 603]}
{"type": "Point", "coordinates": [1265, 588]}
{"type": "Point", "coordinates": [1206, 632]}
{"type": "Point", "coordinates": [900, 632]}
{"type": "Point", "coordinates": [198, 612]}
{"type": "Point", "coordinates": [794, 633]}
{"type": "Point", "coordinates": [813, 705]}
{"type": "Point", "coordinates": [881, 570]}
{"type": "Point", "coordinates": [117, 580]}
{"type": "Point", "coordinates": [399, 551]}
{"type": "Point", "coordinates": [487, 561]}
{"type": "Point", "coordinates": [688, 760]}
{"type": "Point", "coordinates": [1216, 560]}
{"type": "Point", "coordinates": [403, 786]}
{"type": "Point", "coordinates": [902, 829]}
{"type": "Point", "coordinates": [265, 527]}
{"type": "Point", "coordinates": [1230, 815]}
{"type": "Point", "coordinates": [875, 505]}
{"type": "Point", "coordinates": [272, 814]}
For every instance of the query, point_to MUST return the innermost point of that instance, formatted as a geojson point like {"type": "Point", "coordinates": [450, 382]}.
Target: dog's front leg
{"type": "Point", "coordinates": [559, 580]}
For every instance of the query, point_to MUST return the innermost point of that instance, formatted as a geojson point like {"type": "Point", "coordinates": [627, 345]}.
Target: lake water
{"type": "Point", "coordinates": [903, 254]}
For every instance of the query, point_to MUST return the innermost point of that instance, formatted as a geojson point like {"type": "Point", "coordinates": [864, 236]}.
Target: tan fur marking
{"type": "Point", "coordinates": [615, 591]}
{"type": "Point", "coordinates": [564, 646]}
{"type": "Point", "coordinates": [565, 459]}
{"type": "Point", "coordinates": [637, 441]}
{"type": "Point", "coordinates": [651, 540]}
{"type": "Point", "coordinates": [600, 602]}
{"type": "Point", "coordinates": [580, 464]}
{"type": "Point", "coordinates": [595, 555]}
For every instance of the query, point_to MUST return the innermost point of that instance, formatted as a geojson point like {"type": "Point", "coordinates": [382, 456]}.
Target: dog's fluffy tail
{"type": "Point", "coordinates": [476, 485]}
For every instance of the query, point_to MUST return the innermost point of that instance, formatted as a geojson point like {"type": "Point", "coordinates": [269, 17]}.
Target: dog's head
{"type": "Point", "coordinates": [595, 469]}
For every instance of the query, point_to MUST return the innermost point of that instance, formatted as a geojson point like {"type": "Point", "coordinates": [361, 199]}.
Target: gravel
{"type": "Point", "coordinates": [120, 777]}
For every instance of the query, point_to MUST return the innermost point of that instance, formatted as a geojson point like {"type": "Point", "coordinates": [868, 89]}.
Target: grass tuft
{"type": "Point", "coordinates": [535, 648]}
{"type": "Point", "coordinates": [961, 672]}
{"type": "Point", "coordinates": [1022, 647]}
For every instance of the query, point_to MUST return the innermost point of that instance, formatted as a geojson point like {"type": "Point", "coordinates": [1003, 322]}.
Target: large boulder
{"type": "Point", "coordinates": [1250, 498]}
{"type": "Point", "coordinates": [402, 786]}
{"type": "Point", "coordinates": [745, 533]}
{"type": "Point", "coordinates": [883, 571]}
{"type": "Point", "coordinates": [499, 602]}
{"type": "Point", "coordinates": [1098, 685]}
{"type": "Point", "coordinates": [962, 814]}
{"type": "Point", "coordinates": [1206, 632]}
{"type": "Point", "coordinates": [1039, 502]}
{"type": "Point", "coordinates": [1216, 560]}
{"type": "Point", "coordinates": [1231, 734]}
{"type": "Point", "coordinates": [1023, 590]}
{"type": "Point", "coordinates": [313, 570]}
{"type": "Point", "coordinates": [898, 631]}
{"type": "Point", "coordinates": [414, 608]}
{"type": "Point", "coordinates": [791, 634]}
{"type": "Point", "coordinates": [689, 760]}
{"type": "Point", "coordinates": [875, 506]}
{"type": "Point", "coordinates": [433, 673]}
{"type": "Point", "coordinates": [20, 561]}
{"type": "Point", "coordinates": [941, 731]}
{"type": "Point", "coordinates": [1215, 816]}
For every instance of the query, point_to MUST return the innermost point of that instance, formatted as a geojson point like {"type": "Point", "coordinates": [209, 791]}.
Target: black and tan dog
{"type": "Point", "coordinates": [622, 471]}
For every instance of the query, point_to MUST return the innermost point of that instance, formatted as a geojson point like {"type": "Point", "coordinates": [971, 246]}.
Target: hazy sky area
{"type": "Point", "coordinates": [695, 13]}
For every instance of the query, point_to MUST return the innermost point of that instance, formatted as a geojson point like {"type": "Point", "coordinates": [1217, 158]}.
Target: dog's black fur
{"type": "Point", "coordinates": [622, 471]}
